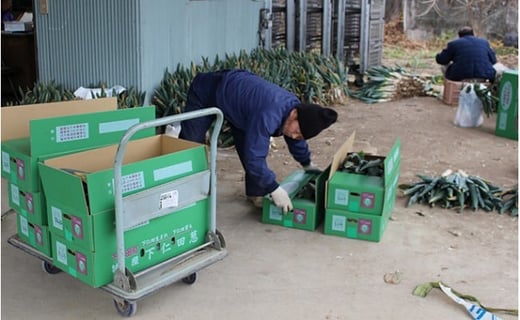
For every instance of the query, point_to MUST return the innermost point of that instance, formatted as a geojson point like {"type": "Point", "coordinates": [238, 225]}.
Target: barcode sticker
{"type": "Point", "coordinates": [169, 199]}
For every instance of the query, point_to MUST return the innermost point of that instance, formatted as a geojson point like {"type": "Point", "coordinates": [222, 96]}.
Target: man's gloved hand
{"type": "Point", "coordinates": [311, 168]}
{"type": "Point", "coordinates": [281, 199]}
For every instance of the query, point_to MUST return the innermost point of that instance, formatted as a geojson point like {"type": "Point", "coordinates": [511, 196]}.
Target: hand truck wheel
{"type": "Point", "coordinates": [125, 308]}
{"type": "Point", "coordinates": [50, 268]}
{"type": "Point", "coordinates": [190, 279]}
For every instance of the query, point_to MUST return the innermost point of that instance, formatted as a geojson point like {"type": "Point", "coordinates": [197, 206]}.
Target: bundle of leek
{"type": "Point", "coordinates": [390, 84]}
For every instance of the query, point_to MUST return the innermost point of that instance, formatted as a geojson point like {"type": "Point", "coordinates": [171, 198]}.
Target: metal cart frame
{"type": "Point", "coordinates": [127, 287]}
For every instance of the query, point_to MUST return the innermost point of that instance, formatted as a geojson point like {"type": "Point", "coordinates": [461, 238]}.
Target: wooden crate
{"type": "Point", "coordinates": [451, 92]}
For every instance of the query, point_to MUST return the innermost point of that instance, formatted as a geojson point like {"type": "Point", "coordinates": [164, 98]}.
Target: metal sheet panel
{"type": "Point", "coordinates": [84, 42]}
{"type": "Point", "coordinates": [132, 42]}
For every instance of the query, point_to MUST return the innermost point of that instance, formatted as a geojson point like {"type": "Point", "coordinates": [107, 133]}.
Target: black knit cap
{"type": "Point", "coordinates": [314, 118]}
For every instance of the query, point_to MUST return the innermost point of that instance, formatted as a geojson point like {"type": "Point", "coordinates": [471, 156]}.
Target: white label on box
{"type": "Point", "coordinates": [506, 96]}
{"type": "Point", "coordinates": [133, 181]}
{"type": "Point", "coordinates": [15, 194]}
{"type": "Point", "coordinates": [502, 120]}
{"type": "Point", "coordinates": [339, 223]}
{"type": "Point", "coordinates": [275, 213]}
{"type": "Point", "coordinates": [116, 126]}
{"type": "Point", "coordinates": [61, 252]}
{"type": "Point", "coordinates": [6, 162]}
{"type": "Point", "coordinates": [172, 171]}
{"type": "Point", "coordinates": [341, 197]}
{"type": "Point", "coordinates": [24, 226]}
{"type": "Point", "coordinates": [57, 218]}
{"type": "Point", "coordinates": [72, 132]}
{"type": "Point", "coordinates": [169, 199]}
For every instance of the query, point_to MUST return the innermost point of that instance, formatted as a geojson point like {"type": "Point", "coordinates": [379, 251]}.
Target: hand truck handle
{"type": "Point", "coordinates": [118, 162]}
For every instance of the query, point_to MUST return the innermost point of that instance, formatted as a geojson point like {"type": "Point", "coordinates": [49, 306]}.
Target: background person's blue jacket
{"type": "Point", "coordinates": [471, 57]}
{"type": "Point", "coordinates": [256, 110]}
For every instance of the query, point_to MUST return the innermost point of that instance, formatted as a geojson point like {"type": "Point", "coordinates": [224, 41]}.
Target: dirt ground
{"type": "Point", "coordinates": [430, 144]}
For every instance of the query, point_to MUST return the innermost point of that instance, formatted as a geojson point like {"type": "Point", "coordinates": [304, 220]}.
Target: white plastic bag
{"type": "Point", "coordinates": [91, 93]}
{"type": "Point", "coordinates": [469, 111]}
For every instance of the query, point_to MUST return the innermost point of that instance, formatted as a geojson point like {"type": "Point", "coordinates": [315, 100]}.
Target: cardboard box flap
{"type": "Point", "coordinates": [70, 186]}
{"type": "Point", "coordinates": [340, 155]}
{"type": "Point", "coordinates": [87, 130]}
{"type": "Point", "coordinates": [15, 120]}
{"type": "Point", "coordinates": [392, 162]}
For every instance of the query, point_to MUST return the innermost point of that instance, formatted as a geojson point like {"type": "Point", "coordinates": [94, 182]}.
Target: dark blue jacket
{"type": "Point", "coordinates": [256, 110]}
{"type": "Point", "coordinates": [472, 57]}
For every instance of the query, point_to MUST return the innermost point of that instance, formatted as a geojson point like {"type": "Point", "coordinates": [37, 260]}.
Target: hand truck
{"type": "Point", "coordinates": [127, 287]}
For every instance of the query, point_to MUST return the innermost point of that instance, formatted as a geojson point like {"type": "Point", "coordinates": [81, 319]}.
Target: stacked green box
{"type": "Point", "coordinates": [31, 205]}
{"type": "Point", "coordinates": [507, 114]}
{"type": "Point", "coordinates": [52, 137]}
{"type": "Point", "coordinates": [80, 203]}
{"type": "Point", "coordinates": [308, 212]}
{"type": "Point", "coordinates": [359, 206]}
{"type": "Point", "coordinates": [37, 236]}
{"type": "Point", "coordinates": [145, 245]}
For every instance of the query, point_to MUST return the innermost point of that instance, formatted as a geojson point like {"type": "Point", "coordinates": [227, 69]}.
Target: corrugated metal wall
{"type": "Point", "coordinates": [132, 42]}
{"type": "Point", "coordinates": [83, 42]}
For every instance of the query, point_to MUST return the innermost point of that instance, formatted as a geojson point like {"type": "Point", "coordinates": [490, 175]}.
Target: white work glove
{"type": "Point", "coordinates": [281, 199]}
{"type": "Point", "coordinates": [312, 168]}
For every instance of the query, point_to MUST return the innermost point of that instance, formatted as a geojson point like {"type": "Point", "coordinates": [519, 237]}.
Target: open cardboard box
{"type": "Point", "coordinates": [55, 136]}
{"type": "Point", "coordinates": [16, 127]}
{"type": "Point", "coordinates": [359, 206]}
{"type": "Point", "coordinates": [79, 191]}
{"type": "Point", "coordinates": [79, 187]}
{"type": "Point", "coordinates": [308, 212]}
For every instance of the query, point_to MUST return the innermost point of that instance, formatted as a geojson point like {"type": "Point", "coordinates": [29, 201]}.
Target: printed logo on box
{"type": "Point", "coordinates": [300, 216]}
{"type": "Point", "coordinates": [339, 223]}
{"type": "Point", "coordinates": [29, 202]}
{"type": "Point", "coordinates": [38, 235]}
{"type": "Point", "coordinates": [367, 200]}
{"type": "Point", "coordinates": [364, 226]}
{"type": "Point", "coordinates": [77, 227]}
{"type": "Point", "coordinates": [81, 263]}
{"type": "Point", "coordinates": [20, 169]}
{"type": "Point", "coordinates": [341, 197]}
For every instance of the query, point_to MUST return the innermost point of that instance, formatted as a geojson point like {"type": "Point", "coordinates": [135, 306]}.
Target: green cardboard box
{"type": "Point", "coordinates": [37, 236]}
{"type": "Point", "coordinates": [362, 193]}
{"type": "Point", "coordinates": [507, 114]}
{"type": "Point", "coordinates": [52, 137]}
{"type": "Point", "coordinates": [31, 205]}
{"type": "Point", "coordinates": [16, 120]}
{"type": "Point", "coordinates": [354, 225]}
{"type": "Point", "coordinates": [145, 245]}
{"type": "Point", "coordinates": [86, 187]}
{"type": "Point", "coordinates": [307, 213]}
